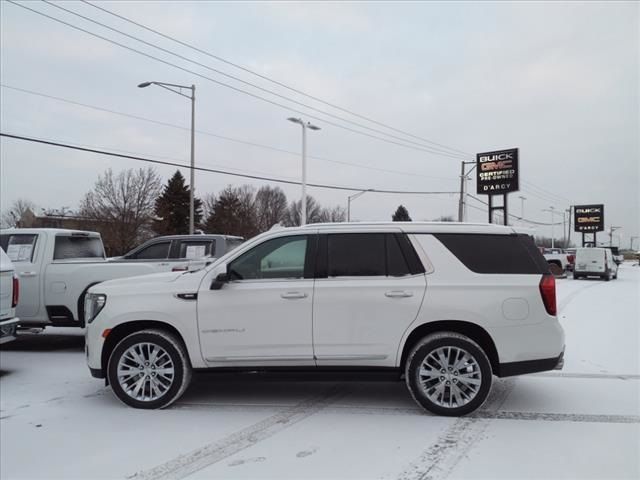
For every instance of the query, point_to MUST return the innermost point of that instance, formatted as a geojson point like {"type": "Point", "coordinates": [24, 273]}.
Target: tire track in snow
{"type": "Point", "coordinates": [569, 298]}
{"type": "Point", "coordinates": [438, 460]}
{"type": "Point", "coordinates": [187, 464]}
{"type": "Point", "coordinates": [414, 411]}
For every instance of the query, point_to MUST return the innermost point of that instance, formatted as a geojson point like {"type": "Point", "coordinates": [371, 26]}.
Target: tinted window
{"type": "Point", "coordinates": [356, 255]}
{"type": "Point", "coordinates": [157, 251]}
{"type": "Point", "coordinates": [233, 243]}
{"type": "Point", "coordinates": [282, 257]}
{"type": "Point", "coordinates": [396, 263]}
{"type": "Point", "coordinates": [19, 248]}
{"type": "Point", "coordinates": [196, 248]}
{"type": "Point", "coordinates": [515, 254]}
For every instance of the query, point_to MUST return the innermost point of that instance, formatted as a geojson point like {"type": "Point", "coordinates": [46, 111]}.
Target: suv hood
{"type": "Point", "coordinates": [154, 278]}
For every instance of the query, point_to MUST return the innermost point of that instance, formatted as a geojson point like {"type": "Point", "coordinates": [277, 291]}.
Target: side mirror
{"type": "Point", "coordinates": [219, 281]}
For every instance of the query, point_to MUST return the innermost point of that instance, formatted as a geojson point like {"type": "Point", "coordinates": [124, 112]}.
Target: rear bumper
{"type": "Point", "coordinates": [8, 330]}
{"type": "Point", "coordinates": [531, 366]}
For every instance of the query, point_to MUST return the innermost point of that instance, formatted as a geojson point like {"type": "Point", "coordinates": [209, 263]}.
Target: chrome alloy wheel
{"type": "Point", "coordinates": [450, 377]}
{"type": "Point", "coordinates": [145, 372]}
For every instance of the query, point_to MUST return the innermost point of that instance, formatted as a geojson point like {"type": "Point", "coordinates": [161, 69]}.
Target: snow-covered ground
{"type": "Point", "coordinates": [584, 422]}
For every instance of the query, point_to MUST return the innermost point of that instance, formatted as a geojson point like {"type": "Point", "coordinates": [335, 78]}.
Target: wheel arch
{"type": "Point", "coordinates": [472, 330]}
{"type": "Point", "coordinates": [123, 330]}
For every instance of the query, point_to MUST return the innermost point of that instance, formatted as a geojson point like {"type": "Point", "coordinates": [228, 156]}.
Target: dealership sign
{"type": "Point", "coordinates": [497, 172]}
{"type": "Point", "coordinates": [589, 218]}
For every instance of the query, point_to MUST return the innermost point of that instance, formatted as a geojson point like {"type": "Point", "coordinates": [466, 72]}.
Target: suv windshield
{"type": "Point", "coordinates": [77, 247]}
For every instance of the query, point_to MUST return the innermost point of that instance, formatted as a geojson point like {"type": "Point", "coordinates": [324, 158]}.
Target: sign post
{"type": "Point", "coordinates": [497, 174]}
{"type": "Point", "coordinates": [588, 219]}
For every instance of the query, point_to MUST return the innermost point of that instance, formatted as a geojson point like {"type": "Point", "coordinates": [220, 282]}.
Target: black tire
{"type": "Point", "coordinates": [576, 276]}
{"type": "Point", "coordinates": [419, 355]}
{"type": "Point", "coordinates": [180, 364]}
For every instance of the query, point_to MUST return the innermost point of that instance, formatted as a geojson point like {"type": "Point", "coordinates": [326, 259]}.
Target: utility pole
{"type": "Point", "coordinates": [462, 203]}
{"type": "Point", "coordinates": [611, 230]}
{"type": "Point", "coordinates": [568, 210]}
{"type": "Point", "coordinates": [522, 199]}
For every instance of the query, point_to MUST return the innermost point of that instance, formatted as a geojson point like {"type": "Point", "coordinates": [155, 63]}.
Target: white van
{"type": "Point", "coordinates": [8, 299]}
{"type": "Point", "coordinates": [595, 262]}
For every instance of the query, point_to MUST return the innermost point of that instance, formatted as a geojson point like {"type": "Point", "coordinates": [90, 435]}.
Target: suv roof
{"type": "Point", "coordinates": [419, 227]}
{"type": "Point", "coordinates": [55, 231]}
{"type": "Point", "coordinates": [195, 236]}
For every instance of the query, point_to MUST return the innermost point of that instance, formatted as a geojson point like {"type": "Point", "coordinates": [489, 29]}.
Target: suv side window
{"type": "Point", "coordinates": [502, 254]}
{"type": "Point", "coordinates": [282, 257]}
{"type": "Point", "coordinates": [20, 247]}
{"type": "Point", "coordinates": [157, 251]}
{"type": "Point", "coordinates": [196, 248]}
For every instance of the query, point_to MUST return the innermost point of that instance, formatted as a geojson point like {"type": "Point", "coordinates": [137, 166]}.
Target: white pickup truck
{"type": "Point", "coordinates": [56, 267]}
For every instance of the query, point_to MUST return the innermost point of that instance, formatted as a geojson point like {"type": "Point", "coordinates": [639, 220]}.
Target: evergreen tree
{"type": "Point", "coordinates": [172, 208]}
{"type": "Point", "coordinates": [401, 215]}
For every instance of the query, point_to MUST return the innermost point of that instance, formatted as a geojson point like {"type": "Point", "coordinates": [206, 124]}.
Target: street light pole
{"type": "Point", "coordinates": [552, 211]}
{"type": "Point", "coordinates": [303, 213]}
{"type": "Point", "coordinates": [172, 88]}
{"type": "Point", "coordinates": [353, 197]}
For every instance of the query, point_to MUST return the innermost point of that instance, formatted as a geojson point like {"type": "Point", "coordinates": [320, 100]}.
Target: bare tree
{"type": "Point", "coordinates": [11, 217]}
{"type": "Point", "coordinates": [293, 217]}
{"type": "Point", "coordinates": [270, 206]}
{"type": "Point", "coordinates": [335, 214]}
{"type": "Point", "coordinates": [120, 207]}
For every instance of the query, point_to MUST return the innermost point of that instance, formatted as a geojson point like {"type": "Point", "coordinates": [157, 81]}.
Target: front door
{"type": "Point", "coordinates": [262, 317]}
{"type": "Point", "coordinates": [367, 300]}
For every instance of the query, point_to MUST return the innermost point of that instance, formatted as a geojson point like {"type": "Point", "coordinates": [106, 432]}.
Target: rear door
{"type": "Point", "coordinates": [365, 298]}
{"type": "Point", "coordinates": [25, 251]}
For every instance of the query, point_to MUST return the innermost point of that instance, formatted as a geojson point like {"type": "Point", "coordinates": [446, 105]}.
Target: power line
{"type": "Point", "coordinates": [510, 214]}
{"type": "Point", "coordinates": [264, 77]}
{"type": "Point", "coordinates": [286, 107]}
{"type": "Point", "coordinates": [222, 137]}
{"type": "Point", "coordinates": [237, 79]}
{"type": "Point", "coordinates": [211, 170]}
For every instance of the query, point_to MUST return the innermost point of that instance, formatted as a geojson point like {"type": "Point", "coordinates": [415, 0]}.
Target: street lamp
{"type": "Point", "coordinates": [353, 197]}
{"type": "Point", "coordinates": [172, 88]}
{"type": "Point", "coordinates": [299, 121]}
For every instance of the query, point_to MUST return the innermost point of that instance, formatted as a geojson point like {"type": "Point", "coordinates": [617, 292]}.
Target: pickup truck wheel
{"type": "Point", "coordinates": [448, 374]}
{"type": "Point", "coordinates": [149, 369]}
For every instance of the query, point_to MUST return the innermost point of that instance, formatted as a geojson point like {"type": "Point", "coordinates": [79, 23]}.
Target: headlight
{"type": "Point", "coordinates": [93, 303]}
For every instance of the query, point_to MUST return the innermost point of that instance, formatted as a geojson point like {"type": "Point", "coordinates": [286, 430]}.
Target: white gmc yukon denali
{"type": "Point", "coordinates": [56, 267]}
{"type": "Point", "coordinates": [444, 305]}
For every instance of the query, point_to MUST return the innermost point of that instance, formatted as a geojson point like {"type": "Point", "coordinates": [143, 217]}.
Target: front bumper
{"type": "Point", "coordinates": [8, 330]}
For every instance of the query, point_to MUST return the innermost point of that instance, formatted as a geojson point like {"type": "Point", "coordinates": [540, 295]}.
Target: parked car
{"type": "Point", "coordinates": [445, 305]}
{"type": "Point", "coordinates": [56, 268]}
{"type": "Point", "coordinates": [571, 258]}
{"type": "Point", "coordinates": [559, 262]}
{"type": "Point", "coordinates": [179, 250]}
{"type": "Point", "coordinates": [595, 262]}
{"type": "Point", "coordinates": [615, 251]}
{"type": "Point", "coordinates": [9, 293]}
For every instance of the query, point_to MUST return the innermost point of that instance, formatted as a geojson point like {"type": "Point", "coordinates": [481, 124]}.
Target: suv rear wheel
{"type": "Point", "coordinates": [448, 374]}
{"type": "Point", "coordinates": [149, 369]}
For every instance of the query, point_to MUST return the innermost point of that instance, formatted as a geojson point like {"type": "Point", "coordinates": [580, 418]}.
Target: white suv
{"type": "Point", "coordinates": [447, 305]}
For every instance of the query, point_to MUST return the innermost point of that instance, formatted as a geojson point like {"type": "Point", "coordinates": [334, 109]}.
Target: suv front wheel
{"type": "Point", "coordinates": [149, 369]}
{"type": "Point", "coordinates": [448, 374]}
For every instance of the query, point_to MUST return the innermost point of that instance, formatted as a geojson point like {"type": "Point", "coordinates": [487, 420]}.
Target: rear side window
{"type": "Point", "coordinates": [506, 254]}
{"type": "Point", "coordinates": [19, 248]}
{"type": "Point", "coordinates": [77, 247]}
{"type": "Point", "coordinates": [365, 255]}
{"type": "Point", "coordinates": [196, 248]}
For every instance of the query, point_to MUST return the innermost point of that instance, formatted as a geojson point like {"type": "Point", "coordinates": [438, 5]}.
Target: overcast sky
{"type": "Point", "coordinates": [557, 80]}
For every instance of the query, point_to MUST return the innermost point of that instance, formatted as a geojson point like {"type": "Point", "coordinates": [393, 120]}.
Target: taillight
{"type": "Point", "coordinates": [571, 259]}
{"type": "Point", "coordinates": [548, 293]}
{"type": "Point", "coordinates": [16, 292]}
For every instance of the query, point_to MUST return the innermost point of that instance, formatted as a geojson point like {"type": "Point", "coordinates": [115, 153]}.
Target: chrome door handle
{"type": "Point", "coordinates": [292, 295]}
{"type": "Point", "coordinates": [28, 274]}
{"type": "Point", "coordinates": [398, 294]}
